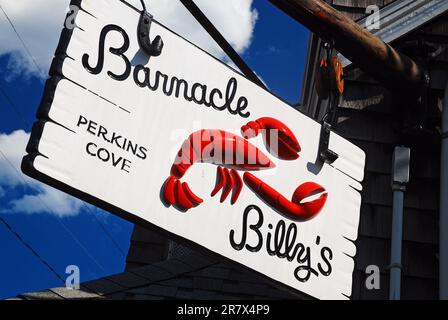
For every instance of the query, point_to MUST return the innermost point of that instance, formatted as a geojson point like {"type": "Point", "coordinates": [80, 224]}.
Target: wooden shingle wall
{"type": "Point", "coordinates": [146, 247]}
{"type": "Point", "coordinates": [374, 132]}
{"type": "Point", "coordinates": [190, 276]}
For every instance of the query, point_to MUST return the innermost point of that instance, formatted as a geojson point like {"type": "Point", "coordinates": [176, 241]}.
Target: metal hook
{"type": "Point", "coordinates": [324, 153]}
{"type": "Point", "coordinates": [328, 47]}
{"type": "Point", "coordinates": [151, 48]}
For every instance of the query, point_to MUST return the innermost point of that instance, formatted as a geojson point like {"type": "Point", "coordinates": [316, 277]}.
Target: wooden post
{"type": "Point", "coordinates": [367, 51]}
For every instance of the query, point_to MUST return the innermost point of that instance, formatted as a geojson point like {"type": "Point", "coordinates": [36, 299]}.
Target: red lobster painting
{"type": "Point", "coordinates": [233, 153]}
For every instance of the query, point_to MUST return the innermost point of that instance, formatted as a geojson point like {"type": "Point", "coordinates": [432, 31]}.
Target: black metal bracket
{"type": "Point", "coordinates": [151, 48]}
{"type": "Point", "coordinates": [324, 153]}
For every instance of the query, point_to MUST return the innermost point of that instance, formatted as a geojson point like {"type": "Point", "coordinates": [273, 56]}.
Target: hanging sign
{"type": "Point", "coordinates": [142, 123]}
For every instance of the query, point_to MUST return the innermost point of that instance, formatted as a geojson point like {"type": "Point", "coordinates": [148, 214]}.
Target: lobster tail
{"type": "Point", "coordinates": [178, 194]}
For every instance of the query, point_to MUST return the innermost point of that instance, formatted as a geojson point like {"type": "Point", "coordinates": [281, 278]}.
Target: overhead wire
{"type": "Point", "coordinates": [21, 117]}
{"type": "Point", "coordinates": [13, 106]}
{"type": "Point", "coordinates": [100, 223]}
{"type": "Point", "coordinates": [50, 210]}
{"type": "Point", "coordinates": [22, 41]}
{"type": "Point", "coordinates": [30, 248]}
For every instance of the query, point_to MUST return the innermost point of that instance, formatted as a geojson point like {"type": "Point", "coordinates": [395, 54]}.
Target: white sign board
{"type": "Point", "coordinates": [111, 124]}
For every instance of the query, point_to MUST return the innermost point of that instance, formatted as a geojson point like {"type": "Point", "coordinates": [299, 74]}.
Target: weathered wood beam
{"type": "Point", "coordinates": [367, 51]}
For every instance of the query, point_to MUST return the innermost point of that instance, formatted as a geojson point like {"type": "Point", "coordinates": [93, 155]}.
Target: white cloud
{"type": "Point", "coordinates": [39, 22]}
{"type": "Point", "coordinates": [235, 19]}
{"type": "Point", "coordinates": [50, 201]}
{"type": "Point", "coordinates": [42, 198]}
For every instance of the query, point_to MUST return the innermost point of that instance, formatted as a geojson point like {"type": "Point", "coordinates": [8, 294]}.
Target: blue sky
{"type": "Point", "coordinates": [63, 231]}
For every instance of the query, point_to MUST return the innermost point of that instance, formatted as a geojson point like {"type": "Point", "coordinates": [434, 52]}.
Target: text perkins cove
{"type": "Point", "coordinates": [108, 141]}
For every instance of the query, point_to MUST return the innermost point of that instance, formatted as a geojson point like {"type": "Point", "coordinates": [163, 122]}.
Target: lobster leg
{"type": "Point", "coordinates": [228, 180]}
{"type": "Point", "coordinates": [178, 194]}
{"type": "Point", "coordinates": [228, 186]}
{"type": "Point", "coordinates": [238, 186]}
{"type": "Point", "coordinates": [220, 180]}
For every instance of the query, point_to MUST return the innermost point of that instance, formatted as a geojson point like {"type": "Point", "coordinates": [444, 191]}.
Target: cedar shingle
{"type": "Point", "coordinates": [128, 280]}
{"type": "Point", "coordinates": [152, 273]}
{"type": "Point", "coordinates": [103, 286]}
{"type": "Point", "coordinates": [155, 290]}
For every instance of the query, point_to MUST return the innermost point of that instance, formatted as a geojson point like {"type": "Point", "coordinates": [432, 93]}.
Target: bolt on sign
{"type": "Point", "coordinates": [173, 139]}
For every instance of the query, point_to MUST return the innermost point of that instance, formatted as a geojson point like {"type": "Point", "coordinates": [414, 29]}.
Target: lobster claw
{"type": "Point", "coordinates": [279, 139]}
{"type": "Point", "coordinates": [295, 209]}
